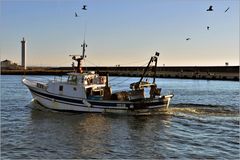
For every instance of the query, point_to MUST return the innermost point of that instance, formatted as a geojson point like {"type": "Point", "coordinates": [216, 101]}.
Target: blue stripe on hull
{"type": "Point", "coordinates": [64, 102]}
{"type": "Point", "coordinates": [57, 97]}
{"type": "Point", "coordinates": [68, 101]}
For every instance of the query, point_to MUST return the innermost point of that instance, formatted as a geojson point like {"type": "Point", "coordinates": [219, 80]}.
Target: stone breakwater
{"type": "Point", "coordinates": [190, 72]}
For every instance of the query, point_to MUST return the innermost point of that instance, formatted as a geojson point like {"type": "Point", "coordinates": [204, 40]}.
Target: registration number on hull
{"type": "Point", "coordinates": [121, 105]}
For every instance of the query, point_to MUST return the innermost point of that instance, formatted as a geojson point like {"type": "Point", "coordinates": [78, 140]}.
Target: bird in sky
{"type": "Point", "coordinates": [227, 9]}
{"type": "Point", "coordinates": [84, 7]}
{"type": "Point", "coordinates": [76, 15]}
{"type": "Point", "coordinates": [187, 39]}
{"type": "Point", "coordinates": [208, 27]}
{"type": "Point", "coordinates": [210, 8]}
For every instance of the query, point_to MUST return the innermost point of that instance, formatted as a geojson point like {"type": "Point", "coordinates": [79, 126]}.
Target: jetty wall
{"type": "Point", "coordinates": [188, 72]}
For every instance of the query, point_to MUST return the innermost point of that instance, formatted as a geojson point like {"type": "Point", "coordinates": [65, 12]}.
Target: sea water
{"type": "Point", "coordinates": [202, 122]}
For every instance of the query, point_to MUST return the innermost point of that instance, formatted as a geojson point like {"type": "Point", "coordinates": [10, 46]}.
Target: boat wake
{"type": "Point", "coordinates": [203, 110]}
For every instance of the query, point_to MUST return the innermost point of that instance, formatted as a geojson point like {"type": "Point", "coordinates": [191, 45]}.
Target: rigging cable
{"type": "Point", "coordinates": [116, 84]}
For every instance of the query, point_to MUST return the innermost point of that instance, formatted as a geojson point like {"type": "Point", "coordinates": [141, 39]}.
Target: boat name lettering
{"type": "Point", "coordinates": [39, 85]}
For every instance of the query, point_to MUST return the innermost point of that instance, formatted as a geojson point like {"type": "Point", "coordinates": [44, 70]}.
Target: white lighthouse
{"type": "Point", "coordinates": [23, 53]}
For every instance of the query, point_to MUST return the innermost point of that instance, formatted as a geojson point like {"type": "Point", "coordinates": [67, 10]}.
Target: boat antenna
{"type": "Point", "coordinates": [84, 45]}
{"type": "Point", "coordinates": [80, 58]}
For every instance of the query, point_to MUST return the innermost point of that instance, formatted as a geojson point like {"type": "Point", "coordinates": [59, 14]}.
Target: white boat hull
{"type": "Point", "coordinates": [74, 104]}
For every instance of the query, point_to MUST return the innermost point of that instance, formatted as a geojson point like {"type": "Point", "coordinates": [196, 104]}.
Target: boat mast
{"type": "Point", "coordinates": [79, 59]}
{"type": "Point", "coordinates": [84, 45]}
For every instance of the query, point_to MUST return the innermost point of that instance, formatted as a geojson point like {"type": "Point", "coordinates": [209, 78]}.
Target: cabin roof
{"type": "Point", "coordinates": [81, 74]}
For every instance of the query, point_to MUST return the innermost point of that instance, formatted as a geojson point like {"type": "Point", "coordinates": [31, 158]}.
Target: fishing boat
{"type": "Point", "coordinates": [91, 92]}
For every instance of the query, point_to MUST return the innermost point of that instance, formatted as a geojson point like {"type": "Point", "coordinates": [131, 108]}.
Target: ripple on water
{"type": "Point", "coordinates": [187, 131]}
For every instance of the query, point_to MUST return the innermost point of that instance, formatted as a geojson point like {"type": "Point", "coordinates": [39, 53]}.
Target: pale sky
{"type": "Point", "coordinates": [125, 32]}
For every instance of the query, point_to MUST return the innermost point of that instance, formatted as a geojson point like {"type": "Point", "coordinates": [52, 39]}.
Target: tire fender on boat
{"type": "Point", "coordinates": [85, 102]}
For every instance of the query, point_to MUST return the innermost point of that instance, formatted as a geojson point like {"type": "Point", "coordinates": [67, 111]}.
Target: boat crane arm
{"type": "Point", "coordinates": [153, 59]}
{"type": "Point", "coordinates": [140, 84]}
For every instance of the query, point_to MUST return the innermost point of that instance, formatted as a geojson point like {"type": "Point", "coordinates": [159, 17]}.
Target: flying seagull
{"type": "Point", "coordinates": [76, 15]}
{"type": "Point", "coordinates": [188, 39]}
{"type": "Point", "coordinates": [84, 7]}
{"type": "Point", "coordinates": [227, 9]}
{"type": "Point", "coordinates": [208, 27]}
{"type": "Point", "coordinates": [210, 8]}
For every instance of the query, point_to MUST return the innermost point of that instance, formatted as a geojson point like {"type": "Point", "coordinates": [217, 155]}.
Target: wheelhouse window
{"type": "Point", "coordinates": [60, 88]}
{"type": "Point", "coordinates": [72, 78]}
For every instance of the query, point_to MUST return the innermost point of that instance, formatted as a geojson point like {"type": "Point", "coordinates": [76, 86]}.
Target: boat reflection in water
{"type": "Point", "coordinates": [93, 135]}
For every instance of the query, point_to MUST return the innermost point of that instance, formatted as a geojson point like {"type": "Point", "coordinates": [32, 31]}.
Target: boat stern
{"type": "Point", "coordinates": [168, 98]}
